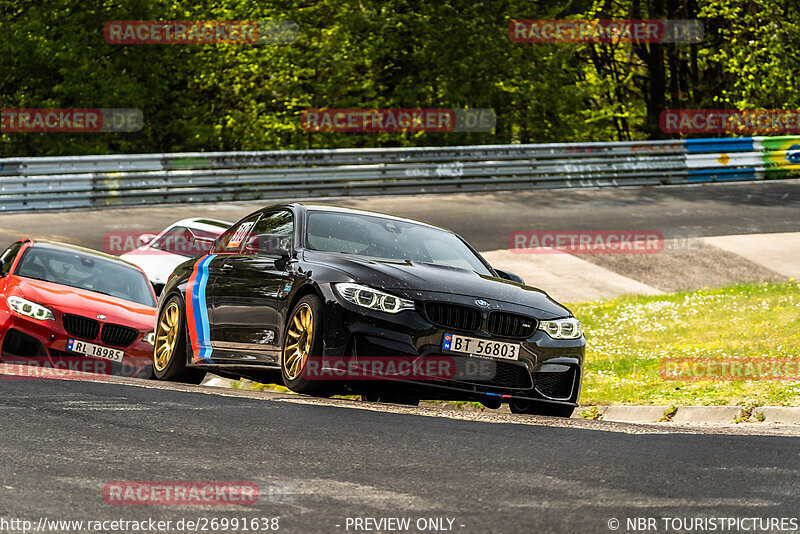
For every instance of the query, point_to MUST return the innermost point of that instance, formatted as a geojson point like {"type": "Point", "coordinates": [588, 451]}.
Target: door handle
{"type": "Point", "coordinates": [226, 267]}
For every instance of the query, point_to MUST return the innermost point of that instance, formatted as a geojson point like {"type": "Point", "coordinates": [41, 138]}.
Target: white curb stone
{"type": "Point", "coordinates": [779, 414]}
{"type": "Point", "coordinates": [634, 414]}
{"type": "Point", "coordinates": [706, 414]}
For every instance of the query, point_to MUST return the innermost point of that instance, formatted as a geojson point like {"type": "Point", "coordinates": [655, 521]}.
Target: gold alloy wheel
{"type": "Point", "coordinates": [298, 341]}
{"type": "Point", "coordinates": [166, 336]}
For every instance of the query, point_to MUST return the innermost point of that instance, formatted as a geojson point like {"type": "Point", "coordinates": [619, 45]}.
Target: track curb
{"type": "Point", "coordinates": [691, 414]}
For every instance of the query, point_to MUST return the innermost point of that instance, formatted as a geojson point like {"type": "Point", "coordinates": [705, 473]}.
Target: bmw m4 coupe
{"type": "Point", "coordinates": [337, 300]}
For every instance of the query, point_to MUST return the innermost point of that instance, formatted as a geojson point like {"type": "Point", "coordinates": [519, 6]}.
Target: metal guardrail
{"type": "Point", "coordinates": [127, 180]}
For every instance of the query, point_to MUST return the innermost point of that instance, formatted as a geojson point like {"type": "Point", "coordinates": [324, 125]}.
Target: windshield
{"type": "Point", "coordinates": [389, 239]}
{"type": "Point", "coordinates": [86, 271]}
{"type": "Point", "coordinates": [174, 241]}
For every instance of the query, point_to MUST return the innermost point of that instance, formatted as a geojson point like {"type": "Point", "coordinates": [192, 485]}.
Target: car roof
{"type": "Point", "coordinates": [203, 223]}
{"type": "Point", "coordinates": [339, 209]}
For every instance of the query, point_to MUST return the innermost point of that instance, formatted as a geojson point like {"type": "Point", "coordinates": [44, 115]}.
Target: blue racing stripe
{"type": "Point", "coordinates": [201, 310]}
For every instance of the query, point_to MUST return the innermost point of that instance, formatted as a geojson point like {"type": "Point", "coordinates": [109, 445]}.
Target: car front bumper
{"type": "Point", "coordinates": [24, 340]}
{"type": "Point", "coordinates": [547, 369]}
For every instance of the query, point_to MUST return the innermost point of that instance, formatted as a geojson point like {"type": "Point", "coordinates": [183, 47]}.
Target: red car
{"type": "Point", "coordinates": [62, 302]}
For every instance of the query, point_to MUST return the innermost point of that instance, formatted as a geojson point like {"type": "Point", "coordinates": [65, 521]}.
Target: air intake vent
{"type": "Point", "coordinates": [82, 327]}
{"type": "Point", "coordinates": [510, 375]}
{"type": "Point", "coordinates": [506, 324]}
{"type": "Point", "coordinates": [453, 316]}
{"type": "Point", "coordinates": [16, 343]}
{"type": "Point", "coordinates": [555, 385]}
{"type": "Point", "coordinates": [118, 335]}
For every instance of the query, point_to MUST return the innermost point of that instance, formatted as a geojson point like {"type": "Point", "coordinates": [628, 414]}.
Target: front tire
{"type": "Point", "coordinates": [169, 353]}
{"type": "Point", "coordinates": [302, 340]}
{"type": "Point", "coordinates": [540, 408]}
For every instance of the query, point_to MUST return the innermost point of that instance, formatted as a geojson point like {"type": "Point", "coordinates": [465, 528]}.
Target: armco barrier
{"type": "Point", "coordinates": [125, 180]}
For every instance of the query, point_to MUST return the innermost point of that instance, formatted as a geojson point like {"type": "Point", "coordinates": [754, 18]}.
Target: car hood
{"type": "Point", "coordinates": [407, 277]}
{"type": "Point", "coordinates": [87, 303]}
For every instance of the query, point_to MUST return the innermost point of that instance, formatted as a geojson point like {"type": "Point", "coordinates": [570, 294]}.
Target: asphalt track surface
{"type": "Point", "coordinates": [318, 462]}
{"type": "Point", "coordinates": [484, 219]}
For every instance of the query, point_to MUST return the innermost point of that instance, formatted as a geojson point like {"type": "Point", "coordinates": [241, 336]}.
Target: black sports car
{"type": "Point", "coordinates": [339, 300]}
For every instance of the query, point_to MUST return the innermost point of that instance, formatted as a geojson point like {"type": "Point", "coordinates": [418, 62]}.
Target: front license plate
{"type": "Point", "coordinates": [481, 347]}
{"type": "Point", "coordinates": [90, 349]}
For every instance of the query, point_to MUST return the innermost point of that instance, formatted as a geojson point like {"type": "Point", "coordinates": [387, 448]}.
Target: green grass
{"type": "Point", "coordinates": [628, 337]}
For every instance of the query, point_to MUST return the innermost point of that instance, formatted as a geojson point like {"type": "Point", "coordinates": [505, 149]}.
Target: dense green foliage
{"type": "Point", "coordinates": [385, 53]}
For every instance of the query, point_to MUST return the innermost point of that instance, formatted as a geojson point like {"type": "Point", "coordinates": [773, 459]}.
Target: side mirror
{"type": "Point", "coordinates": [146, 239]}
{"type": "Point", "coordinates": [266, 245]}
{"type": "Point", "coordinates": [510, 276]}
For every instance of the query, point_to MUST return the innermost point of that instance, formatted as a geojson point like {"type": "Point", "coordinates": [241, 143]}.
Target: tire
{"type": "Point", "coordinates": [171, 335]}
{"type": "Point", "coordinates": [540, 408]}
{"type": "Point", "coordinates": [302, 338]}
{"type": "Point", "coordinates": [493, 403]}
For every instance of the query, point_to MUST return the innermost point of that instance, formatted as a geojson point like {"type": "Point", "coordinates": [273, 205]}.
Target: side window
{"type": "Point", "coordinates": [231, 241]}
{"type": "Point", "coordinates": [277, 224]}
{"type": "Point", "coordinates": [171, 240]}
{"type": "Point", "coordinates": [8, 257]}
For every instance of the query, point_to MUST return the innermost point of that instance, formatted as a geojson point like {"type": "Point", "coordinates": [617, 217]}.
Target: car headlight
{"type": "Point", "coordinates": [372, 298]}
{"type": "Point", "coordinates": [30, 309]}
{"type": "Point", "coordinates": [150, 338]}
{"type": "Point", "coordinates": [569, 328]}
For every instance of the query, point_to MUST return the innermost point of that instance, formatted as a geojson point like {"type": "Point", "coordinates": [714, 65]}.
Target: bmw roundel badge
{"type": "Point", "coordinates": [482, 303]}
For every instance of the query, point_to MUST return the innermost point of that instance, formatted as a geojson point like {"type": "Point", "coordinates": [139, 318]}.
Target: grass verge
{"type": "Point", "coordinates": [628, 337]}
